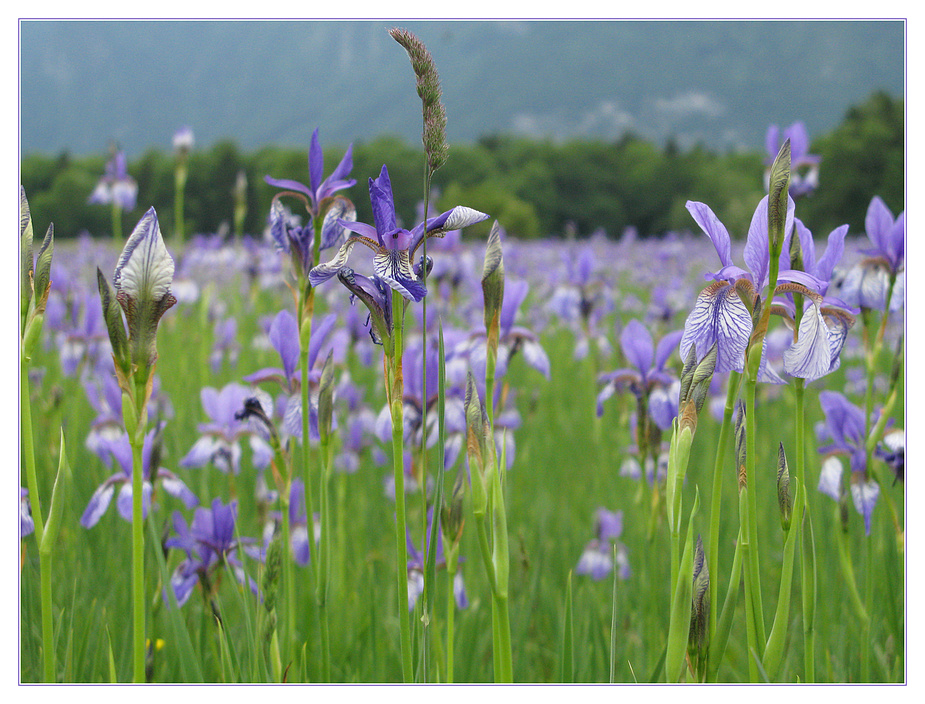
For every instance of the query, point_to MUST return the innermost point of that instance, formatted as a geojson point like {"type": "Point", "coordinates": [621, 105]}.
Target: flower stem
{"type": "Point", "coordinates": [396, 393]}
{"type": "Point", "coordinates": [138, 556]}
{"type": "Point", "coordinates": [722, 444]}
{"type": "Point", "coordinates": [752, 565]}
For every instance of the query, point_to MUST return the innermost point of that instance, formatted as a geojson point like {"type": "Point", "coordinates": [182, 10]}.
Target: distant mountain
{"type": "Point", "coordinates": [85, 84]}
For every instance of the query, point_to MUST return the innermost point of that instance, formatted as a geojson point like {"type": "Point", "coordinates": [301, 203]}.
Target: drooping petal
{"type": "Point", "coordinates": [595, 561]}
{"type": "Point", "coordinates": [810, 357]}
{"type": "Point", "coordinates": [535, 356]}
{"type": "Point", "coordinates": [454, 219]}
{"type": "Point", "coordinates": [98, 503]}
{"type": "Point", "coordinates": [322, 272]}
{"type": "Point", "coordinates": [332, 231]}
{"type": "Point", "coordinates": [864, 494]}
{"type": "Point", "coordinates": [830, 478]}
{"type": "Point", "coordinates": [124, 500]}
{"type": "Point", "coordinates": [718, 316]}
{"type": "Point", "coordinates": [174, 486]}
{"type": "Point", "coordinates": [394, 268]}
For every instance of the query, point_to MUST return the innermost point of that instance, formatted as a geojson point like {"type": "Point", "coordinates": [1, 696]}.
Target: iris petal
{"type": "Point", "coordinates": [718, 316]}
{"type": "Point", "coordinates": [394, 267]}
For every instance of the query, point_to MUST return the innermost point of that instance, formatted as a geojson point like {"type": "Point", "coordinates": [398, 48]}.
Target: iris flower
{"type": "Point", "coordinates": [116, 186]}
{"type": "Point", "coordinates": [284, 336]}
{"type": "Point", "coordinates": [122, 452]}
{"type": "Point", "coordinates": [26, 524]}
{"type": "Point", "coordinates": [866, 284]}
{"type": "Point", "coordinates": [722, 316]}
{"type": "Point", "coordinates": [844, 425]}
{"type": "Point", "coordinates": [220, 437]}
{"type": "Point", "coordinates": [209, 543]}
{"type": "Point", "coordinates": [648, 363]}
{"type": "Point", "coordinates": [319, 189]}
{"type": "Point", "coordinates": [394, 247]}
{"type": "Point", "coordinates": [597, 558]}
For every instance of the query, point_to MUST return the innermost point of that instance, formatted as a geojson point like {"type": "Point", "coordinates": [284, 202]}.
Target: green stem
{"type": "Point", "coordinates": [753, 569]}
{"type": "Point", "coordinates": [396, 393]}
{"type": "Point", "coordinates": [722, 447]}
{"type": "Point", "coordinates": [773, 652]}
{"type": "Point", "coordinates": [138, 556]}
{"type": "Point", "coordinates": [28, 454]}
{"type": "Point", "coordinates": [848, 569]}
{"type": "Point", "coordinates": [451, 566]}
{"type": "Point", "coordinates": [501, 562]}
{"type": "Point", "coordinates": [724, 625]}
{"type": "Point", "coordinates": [324, 556]}
{"type": "Point", "coordinates": [750, 629]}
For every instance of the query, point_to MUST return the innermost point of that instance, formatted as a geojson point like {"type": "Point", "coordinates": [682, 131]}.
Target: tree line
{"type": "Point", "coordinates": [534, 188]}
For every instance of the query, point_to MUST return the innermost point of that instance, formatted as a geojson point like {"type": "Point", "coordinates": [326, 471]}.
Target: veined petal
{"type": "Point", "coordinates": [145, 268]}
{"type": "Point", "coordinates": [394, 267]}
{"type": "Point", "coordinates": [718, 316]}
{"type": "Point", "coordinates": [322, 272]}
{"type": "Point", "coordinates": [332, 231]}
{"type": "Point", "coordinates": [810, 357]}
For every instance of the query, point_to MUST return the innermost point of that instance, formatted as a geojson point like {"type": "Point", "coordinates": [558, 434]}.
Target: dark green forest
{"type": "Point", "coordinates": [533, 188]}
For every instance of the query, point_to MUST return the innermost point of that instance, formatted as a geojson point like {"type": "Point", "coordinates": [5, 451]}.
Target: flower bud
{"type": "Point", "coordinates": [142, 282]}
{"type": "Point", "coordinates": [493, 284]}
{"type": "Point", "coordinates": [740, 445]}
{"type": "Point", "coordinates": [778, 193]}
{"type": "Point", "coordinates": [112, 314]}
{"type": "Point", "coordinates": [784, 499]}
{"type": "Point", "coordinates": [58, 498]}
{"type": "Point", "coordinates": [698, 635]}
{"type": "Point", "coordinates": [326, 398]}
{"type": "Point", "coordinates": [476, 446]}
{"type": "Point", "coordinates": [42, 284]}
{"type": "Point", "coordinates": [26, 254]}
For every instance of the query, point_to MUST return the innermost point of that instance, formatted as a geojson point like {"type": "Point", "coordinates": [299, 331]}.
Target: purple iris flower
{"type": "Point", "coordinates": [804, 167]}
{"type": "Point", "coordinates": [864, 492]}
{"type": "Point", "coordinates": [116, 186]}
{"type": "Point", "coordinates": [826, 320]}
{"type": "Point", "coordinates": [394, 247]}
{"type": "Point", "coordinates": [892, 450]}
{"type": "Point", "coordinates": [416, 568]}
{"type": "Point", "coordinates": [26, 524]}
{"type": "Point", "coordinates": [720, 316]}
{"type": "Point", "coordinates": [319, 190]}
{"type": "Point", "coordinates": [284, 336]}
{"type": "Point", "coordinates": [867, 283]}
{"type": "Point", "coordinates": [122, 452]}
{"type": "Point", "coordinates": [597, 558]}
{"type": "Point", "coordinates": [209, 542]}
{"type": "Point", "coordinates": [220, 441]}
{"type": "Point", "coordinates": [844, 425]}
{"type": "Point", "coordinates": [648, 364]}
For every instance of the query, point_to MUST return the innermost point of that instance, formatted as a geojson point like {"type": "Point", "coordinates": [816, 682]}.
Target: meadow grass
{"type": "Point", "coordinates": [567, 465]}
